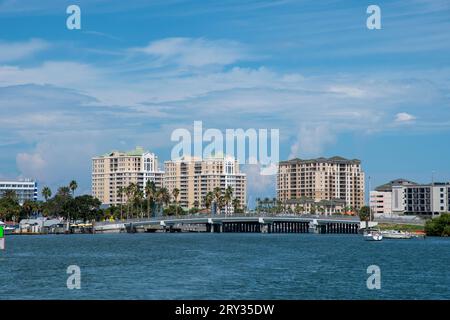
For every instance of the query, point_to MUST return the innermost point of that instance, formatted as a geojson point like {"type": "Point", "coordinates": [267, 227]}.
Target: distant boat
{"type": "Point", "coordinates": [372, 235]}
{"type": "Point", "coordinates": [396, 234]}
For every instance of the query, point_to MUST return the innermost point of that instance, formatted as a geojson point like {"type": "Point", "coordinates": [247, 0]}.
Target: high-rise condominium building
{"type": "Point", "coordinates": [24, 189]}
{"type": "Point", "coordinates": [319, 179]}
{"type": "Point", "coordinates": [195, 177]}
{"type": "Point", "coordinates": [119, 169]}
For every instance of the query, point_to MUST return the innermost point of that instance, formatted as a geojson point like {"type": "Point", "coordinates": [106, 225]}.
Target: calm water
{"type": "Point", "coordinates": [223, 266]}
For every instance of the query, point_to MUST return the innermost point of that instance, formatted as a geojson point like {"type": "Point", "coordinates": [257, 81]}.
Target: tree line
{"type": "Point", "coordinates": [133, 203]}
{"type": "Point", "coordinates": [438, 226]}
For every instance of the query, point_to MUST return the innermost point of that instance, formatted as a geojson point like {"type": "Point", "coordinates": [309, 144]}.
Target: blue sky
{"type": "Point", "coordinates": [137, 70]}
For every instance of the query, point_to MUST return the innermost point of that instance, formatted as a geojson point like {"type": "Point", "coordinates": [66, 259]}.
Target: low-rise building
{"type": "Point", "coordinates": [410, 198]}
{"type": "Point", "coordinates": [381, 197]}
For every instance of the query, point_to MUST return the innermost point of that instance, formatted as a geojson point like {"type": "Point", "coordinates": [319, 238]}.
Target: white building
{"type": "Point", "coordinates": [427, 199]}
{"type": "Point", "coordinates": [403, 197]}
{"type": "Point", "coordinates": [24, 189]}
{"type": "Point", "coordinates": [381, 203]}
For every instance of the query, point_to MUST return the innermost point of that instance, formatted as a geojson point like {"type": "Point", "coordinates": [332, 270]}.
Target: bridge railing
{"type": "Point", "coordinates": [244, 215]}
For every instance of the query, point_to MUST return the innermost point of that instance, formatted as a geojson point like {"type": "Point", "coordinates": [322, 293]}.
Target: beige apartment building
{"type": "Point", "coordinates": [334, 179]}
{"type": "Point", "coordinates": [195, 177]}
{"type": "Point", "coordinates": [119, 169]}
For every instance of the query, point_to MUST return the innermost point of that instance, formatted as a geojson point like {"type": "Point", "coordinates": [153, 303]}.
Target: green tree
{"type": "Point", "coordinates": [209, 198]}
{"type": "Point", "coordinates": [9, 206]}
{"type": "Point", "coordinates": [227, 197]}
{"type": "Point", "coordinates": [218, 199]}
{"type": "Point", "coordinates": [439, 226]}
{"type": "Point", "coordinates": [364, 214]}
{"type": "Point", "coordinates": [176, 193]}
{"type": "Point", "coordinates": [120, 193]}
{"type": "Point", "coordinates": [73, 185]}
{"type": "Point", "coordinates": [150, 193]}
{"type": "Point", "coordinates": [162, 197]}
{"type": "Point", "coordinates": [130, 192]}
{"type": "Point", "coordinates": [28, 207]}
{"type": "Point", "coordinates": [46, 193]}
{"type": "Point", "coordinates": [236, 203]}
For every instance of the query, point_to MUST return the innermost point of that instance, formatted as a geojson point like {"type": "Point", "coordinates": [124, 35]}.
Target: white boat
{"type": "Point", "coordinates": [372, 235]}
{"type": "Point", "coordinates": [395, 234]}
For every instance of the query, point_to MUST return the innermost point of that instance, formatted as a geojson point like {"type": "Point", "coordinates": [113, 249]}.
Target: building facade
{"type": "Point", "coordinates": [119, 169]}
{"type": "Point", "coordinates": [410, 198]}
{"type": "Point", "coordinates": [24, 190]}
{"type": "Point", "coordinates": [195, 177]}
{"type": "Point", "coordinates": [426, 200]}
{"type": "Point", "coordinates": [320, 179]}
{"type": "Point", "coordinates": [381, 197]}
{"type": "Point", "coordinates": [381, 203]}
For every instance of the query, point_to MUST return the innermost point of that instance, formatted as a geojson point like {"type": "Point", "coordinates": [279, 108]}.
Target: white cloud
{"type": "Point", "coordinates": [257, 183]}
{"type": "Point", "coordinates": [311, 140]}
{"type": "Point", "coordinates": [14, 51]}
{"type": "Point", "coordinates": [348, 91]}
{"type": "Point", "coordinates": [95, 108]}
{"type": "Point", "coordinates": [404, 117]}
{"type": "Point", "coordinates": [194, 52]}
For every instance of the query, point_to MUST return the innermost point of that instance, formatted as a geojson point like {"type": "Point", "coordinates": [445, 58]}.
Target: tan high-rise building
{"type": "Point", "coordinates": [195, 177]}
{"type": "Point", "coordinates": [119, 169]}
{"type": "Point", "coordinates": [321, 179]}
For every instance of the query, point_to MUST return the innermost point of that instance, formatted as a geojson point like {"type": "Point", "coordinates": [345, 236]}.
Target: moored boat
{"type": "Point", "coordinates": [396, 234]}
{"type": "Point", "coordinates": [372, 235]}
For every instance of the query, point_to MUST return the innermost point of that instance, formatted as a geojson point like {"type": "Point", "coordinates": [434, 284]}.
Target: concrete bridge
{"type": "Point", "coordinates": [247, 223]}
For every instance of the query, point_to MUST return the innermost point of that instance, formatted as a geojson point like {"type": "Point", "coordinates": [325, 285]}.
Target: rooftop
{"type": "Point", "coordinates": [137, 152]}
{"type": "Point", "coordinates": [333, 160]}
{"type": "Point", "coordinates": [397, 182]}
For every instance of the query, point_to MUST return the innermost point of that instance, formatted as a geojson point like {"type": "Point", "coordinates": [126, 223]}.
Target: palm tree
{"type": "Point", "coordinates": [266, 203]}
{"type": "Point", "coordinates": [163, 196]}
{"type": "Point", "coordinates": [218, 197]}
{"type": "Point", "coordinates": [258, 204]}
{"type": "Point", "coordinates": [150, 192]}
{"type": "Point", "coordinates": [120, 192]}
{"type": "Point", "coordinates": [176, 193]}
{"type": "Point", "coordinates": [73, 186]}
{"type": "Point", "coordinates": [129, 191]}
{"type": "Point", "coordinates": [209, 199]}
{"type": "Point", "coordinates": [138, 199]}
{"type": "Point", "coordinates": [236, 203]}
{"type": "Point", "coordinates": [63, 191]}
{"type": "Point", "coordinates": [28, 207]}
{"type": "Point", "coordinates": [46, 193]}
{"type": "Point", "coordinates": [228, 197]}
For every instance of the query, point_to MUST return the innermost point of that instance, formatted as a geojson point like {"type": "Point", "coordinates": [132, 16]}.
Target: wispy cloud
{"type": "Point", "coordinates": [14, 51]}
{"type": "Point", "coordinates": [404, 117]}
{"type": "Point", "coordinates": [194, 52]}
